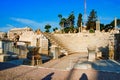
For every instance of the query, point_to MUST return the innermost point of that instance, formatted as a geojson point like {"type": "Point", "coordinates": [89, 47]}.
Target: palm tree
{"type": "Point", "coordinates": [60, 16]}
{"type": "Point", "coordinates": [62, 23]}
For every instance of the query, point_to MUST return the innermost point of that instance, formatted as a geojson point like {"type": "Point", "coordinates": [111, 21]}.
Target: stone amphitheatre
{"type": "Point", "coordinates": [75, 56]}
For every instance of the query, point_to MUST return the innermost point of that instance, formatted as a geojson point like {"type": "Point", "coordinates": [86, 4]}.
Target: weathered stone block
{"type": "Point", "coordinates": [1, 51]}
{"type": "Point", "coordinates": [91, 53]}
{"type": "Point", "coordinates": [99, 54]}
{"type": "Point", "coordinates": [1, 58]}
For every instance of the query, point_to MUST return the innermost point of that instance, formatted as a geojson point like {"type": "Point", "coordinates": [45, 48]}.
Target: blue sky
{"type": "Point", "coordinates": [38, 13]}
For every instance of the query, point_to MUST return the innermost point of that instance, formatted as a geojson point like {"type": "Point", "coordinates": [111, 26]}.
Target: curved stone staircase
{"type": "Point", "coordinates": [69, 43]}
{"type": "Point", "coordinates": [78, 42]}
{"type": "Point", "coordinates": [54, 40]}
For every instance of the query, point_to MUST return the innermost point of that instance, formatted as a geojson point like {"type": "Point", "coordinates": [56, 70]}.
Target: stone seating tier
{"type": "Point", "coordinates": [76, 43]}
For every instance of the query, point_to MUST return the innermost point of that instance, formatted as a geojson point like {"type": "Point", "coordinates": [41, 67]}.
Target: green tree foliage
{"type": "Point", "coordinates": [47, 28]}
{"type": "Point", "coordinates": [112, 25]}
{"type": "Point", "coordinates": [79, 21]}
{"type": "Point", "coordinates": [102, 27]}
{"type": "Point", "coordinates": [67, 23]}
{"type": "Point", "coordinates": [71, 19]}
{"type": "Point", "coordinates": [71, 29]}
{"type": "Point", "coordinates": [92, 18]}
{"type": "Point", "coordinates": [55, 28]}
{"type": "Point", "coordinates": [107, 27]}
{"type": "Point", "coordinates": [63, 23]}
{"type": "Point", "coordinates": [66, 29]}
{"type": "Point", "coordinates": [91, 31]}
{"type": "Point", "coordinates": [60, 16]}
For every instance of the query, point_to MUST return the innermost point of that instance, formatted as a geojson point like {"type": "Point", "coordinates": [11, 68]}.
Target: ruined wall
{"type": "Point", "coordinates": [37, 40]}
{"type": "Point", "coordinates": [17, 31]}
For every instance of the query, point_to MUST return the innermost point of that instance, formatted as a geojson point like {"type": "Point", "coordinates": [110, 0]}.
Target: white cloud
{"type": "Point", "coordinates": [7, 28]}
{"type": "Point", "coordinates": [25, 21]}
{"type": "Point", "coordinates": [35, 24]}
{"type": "Point", "coordinates": [10, 26]}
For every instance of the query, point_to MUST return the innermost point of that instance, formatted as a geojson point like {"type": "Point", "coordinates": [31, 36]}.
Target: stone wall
{"type": "Point", "coordinates": [2, 34]}
{"type": "Point", "coordinates": [37, 40]}
{"type": "Point", "coordinates": [17, 31]}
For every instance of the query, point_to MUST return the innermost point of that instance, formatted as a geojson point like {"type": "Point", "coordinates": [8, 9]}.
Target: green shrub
{"type": "Point", "coordinates": [91, 31]}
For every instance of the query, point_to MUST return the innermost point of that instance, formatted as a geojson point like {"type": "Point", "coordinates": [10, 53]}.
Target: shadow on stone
{"type": "Point", "coordinates": [4, 65]}
{"type": "Point", "coordinates": [84, 77]}
{"type": "Point", "coordinates": [104, 51]}
{"type": "Point", "coordinates": [48, 77]}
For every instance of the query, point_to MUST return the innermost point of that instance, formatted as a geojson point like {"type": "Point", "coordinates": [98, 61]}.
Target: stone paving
{"type": "Point", "coordinates": [39, 73]}
{"type": "Point", "coordinates": [66, 62]}
{"type": "Point", "coordinates": [79, 61]}
{"type": "Point", "coordinates": [72, 67]}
